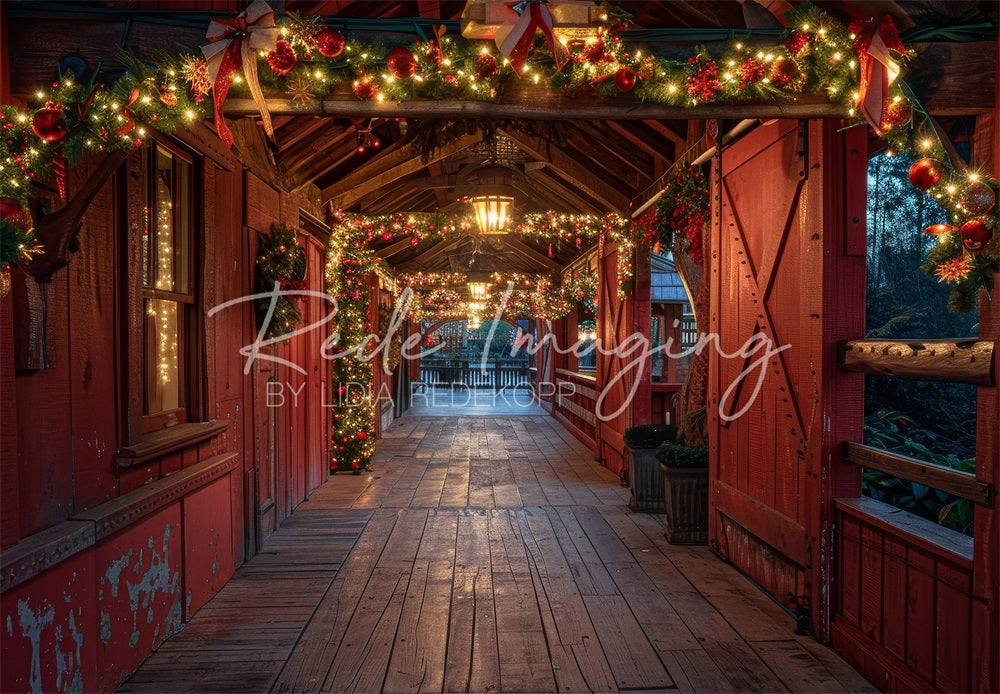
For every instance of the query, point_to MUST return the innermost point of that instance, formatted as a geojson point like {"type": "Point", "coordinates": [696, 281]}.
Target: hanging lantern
{"type": "Point", "coordinates": [477, 290]}
{"type": "Point", "coordinates": [488, 189]}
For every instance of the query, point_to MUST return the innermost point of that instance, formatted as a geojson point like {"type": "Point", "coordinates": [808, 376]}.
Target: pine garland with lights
{"type": "Point", "coordinates": [681, 213]}
{"type": "Point", "coordinates": [75, 116]}
{"type": "Point", "coordinates": [279, 259]}
{"type": "Point", "coordinates": [353, 403]}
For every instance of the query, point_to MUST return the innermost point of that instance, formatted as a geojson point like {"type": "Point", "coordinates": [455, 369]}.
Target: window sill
{"type": "Point", "coordinates": [166, 441]}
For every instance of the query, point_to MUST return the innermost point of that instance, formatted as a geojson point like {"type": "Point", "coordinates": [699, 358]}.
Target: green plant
{"type": "Point", "coordinates": [897, 432]}
{"type": "Point", "coordinates": [677, 455]}
{"type": "Point", "coordinates": [649, 436]}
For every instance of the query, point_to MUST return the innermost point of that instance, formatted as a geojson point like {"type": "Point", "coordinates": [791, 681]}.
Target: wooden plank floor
{"type": "Point", "coordinates": [486, 555]}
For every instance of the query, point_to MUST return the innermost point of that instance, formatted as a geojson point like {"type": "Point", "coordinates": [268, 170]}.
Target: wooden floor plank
{"type": "Point", "coordinates": [485, 555]}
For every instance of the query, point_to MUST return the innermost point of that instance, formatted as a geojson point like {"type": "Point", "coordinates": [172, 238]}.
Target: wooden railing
{"type": "Point", "coordinates": [957, 361]}
{"type": "Point", "coordinates": [954, 482]}
{"type": "Point", "coordinates": [461, 373]}
{"type": "Point", "coordinates": [901, 580]}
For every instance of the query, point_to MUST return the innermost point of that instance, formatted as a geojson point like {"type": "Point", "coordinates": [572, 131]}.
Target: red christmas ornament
{"type": "Point", "coordinates": [624, 79]}
{"type": "Point", "coordinates": [387, 236]}
{"type": "Point", "coordinates": [362, 435]}
{"type": "Point", "coordinates": [784, 72]}
{"type": "Point", "coordinates": [414, 241]}
{"type": "Point", "coordinates": [975, 235]}
{"type": "Point", "coordinates": [330, 43]}
{"type": "Point", "coordinates": [401, 62]}
{"type": "Point", "coordinates": [925, 173]}
{"type": "Point", "coordinates": [977, 197]}
{"type": "Point", "coordinates": [751, 72]}
{"type": "Point", "coordinates": [939, 229]}
{"type": "Point", "coordinates": [898, 113]}
{"type": "Point", "coordinates": [486, 67]}
{"type": "Point", "coordinates": [49, 123]}
{"type": "Point", "coordinates": [796, 42]}
{"type": "Point", "coordinates": [282, 59]}
{"type": "Point", "coordinates": [364, 89]}
{"type": "Point", "coordinates": [596, 52]}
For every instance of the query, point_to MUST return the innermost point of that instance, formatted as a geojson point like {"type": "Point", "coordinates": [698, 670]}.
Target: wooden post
{"type": "Point", "coordinates": [986, 548]}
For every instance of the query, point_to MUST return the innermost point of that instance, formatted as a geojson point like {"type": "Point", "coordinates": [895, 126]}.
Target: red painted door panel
{"type": "Point", "coordinates": [782, 280]}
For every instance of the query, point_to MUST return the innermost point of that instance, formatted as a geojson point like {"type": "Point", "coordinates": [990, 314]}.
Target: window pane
{"type": "Point", "coordinates": [162, 351]}
{"type": "Point", "coordinates": [163, 252]}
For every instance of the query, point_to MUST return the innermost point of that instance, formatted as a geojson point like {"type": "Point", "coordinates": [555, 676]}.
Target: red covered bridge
{"type": "Point", "coordinates": [654, 214]}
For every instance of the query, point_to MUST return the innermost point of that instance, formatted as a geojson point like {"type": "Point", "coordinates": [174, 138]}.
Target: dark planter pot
{"type": "Point", "coordinates": [646, 480]}
{"type": "Point", "coordinates": [641, 469]}
{"type": "Point", "coordinates": [685, 494]}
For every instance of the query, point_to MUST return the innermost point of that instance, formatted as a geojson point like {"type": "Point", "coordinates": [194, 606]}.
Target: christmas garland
{"type": "Point", "coordinates": [681, 213]}
{"type": "Point", "coordinates": [305, 60]}
{"type": "Point", "coordinates": [279, 260]}
{"type": "Point", "coordinates": [353, 402]}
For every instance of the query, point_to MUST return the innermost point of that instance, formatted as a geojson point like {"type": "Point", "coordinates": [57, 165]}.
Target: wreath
{"type": "Point", "coordinates": [279, 260]}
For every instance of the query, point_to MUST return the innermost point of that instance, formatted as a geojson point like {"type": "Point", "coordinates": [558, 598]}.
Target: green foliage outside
{"type": "Point", "coordinates": [933, 422]}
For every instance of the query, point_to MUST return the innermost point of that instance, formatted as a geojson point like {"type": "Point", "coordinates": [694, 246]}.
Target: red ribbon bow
{"type": "Point", "coordinates": [129, 120]}
{"type": "Point", "coordinates": [873, 41]}
{"type": "Point", "coordinates": [515, 41]}
{"type": "Point", "coordinates": [233, 45]}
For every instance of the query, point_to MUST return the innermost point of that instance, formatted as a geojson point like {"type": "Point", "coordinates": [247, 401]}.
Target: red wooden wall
{"type": "Point", "coordinates": [172, 525]}
{"type": "Point", "coordinates": [623, 378]}
{"type": "Point", "coordinates": [782, 266]}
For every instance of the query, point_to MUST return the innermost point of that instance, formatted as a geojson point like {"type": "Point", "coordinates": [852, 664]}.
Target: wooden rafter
{"type": "Point", "coordinates": [531, 254]}
{"type": "Point", "coordinates": [544, 181]}
{"type": "Point", "coordinates": [388, 168]}
{"type": "Point", "coordinates": [569, 168]}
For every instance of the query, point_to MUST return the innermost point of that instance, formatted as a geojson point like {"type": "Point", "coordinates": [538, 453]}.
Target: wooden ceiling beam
{"type": "Point", "coordinates": [303, 129]}
{"type": "Point", "coordinates": [434, 252]}
{"type": "Point", "coordinates": [579, 204]}
{"type": "Point", "coordinates": [639, 142]}
{"type": "Point", "coordinates": [436, 183]}
{"type": "Point", "coordinates": [531, 254]}
{"type": "Point", "coordinates": [440, 192]}
{"type": "Point", "coordinates": [389, 168]}
{"type": "Point", "coordinates": [611, 146]}
{"type": "Point", "coordinates": [568, 167]}
{"type": "Point", "coordinates": [394, 248]}
{"type": "Point", "coordinates": [538, 198]}
{"type": "Point", "coordinates": [666, 131]}
{"type": "Point", "coordinates": [546, 107]}
{"type": "Point", "coordinates": [319, 150]}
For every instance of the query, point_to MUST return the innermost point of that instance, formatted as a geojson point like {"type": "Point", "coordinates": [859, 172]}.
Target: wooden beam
{"type": "Point", "coordinates": [552, 107]}
{"type": "Point", "coordinates": [956, 482]}
{"type": "Point", "coordinates": [545, 181]}
{"type": "Point", "coordinates": [531, 254]}
{"type": "Point", "coordinates": [434, 252]}
{"type": "Point", "coordinates": [393, 248]}
{"type": "Point", "coordinates": [569, 168]}
{"type": "Point", "coordinates": [639, 142]}
{"type": "Point", "coordinates": [391, 167]}
{"type": "Point", "coordinates": [666, 131]}
{"type": "Point", "coordinates": [956, 361]}
{"type": "Point", "coordinates": [436, 170]}
{"type": "Point", "coordinates": [596, 137]}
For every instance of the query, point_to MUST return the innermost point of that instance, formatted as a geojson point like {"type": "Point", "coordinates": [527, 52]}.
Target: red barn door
{"type": "Point", "coordinates": [787, 266]}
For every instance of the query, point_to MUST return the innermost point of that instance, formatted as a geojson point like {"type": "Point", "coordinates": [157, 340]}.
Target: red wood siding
{"type": "Point", "coordinates": [904, 611]}
{"type": "Point", "coordinates": [108, 560]}
{"type": "Point", "coordinates": [779, 267]}
{"type": "Point", "coordinates": [616, 376]}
